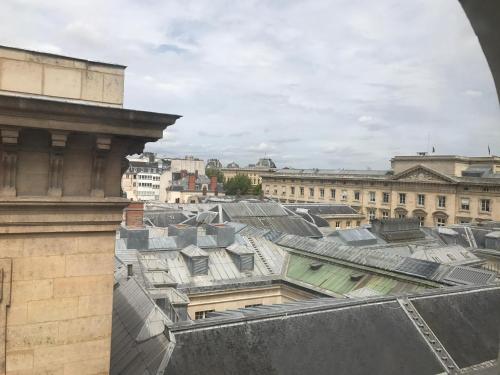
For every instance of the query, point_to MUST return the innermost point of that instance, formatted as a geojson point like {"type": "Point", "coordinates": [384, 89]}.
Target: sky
{"type": "Point", "coordinates": [310, 84]}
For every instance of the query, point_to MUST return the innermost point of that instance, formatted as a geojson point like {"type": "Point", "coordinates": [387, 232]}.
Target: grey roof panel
{"type": "Point", "coordinates": [418, 267]}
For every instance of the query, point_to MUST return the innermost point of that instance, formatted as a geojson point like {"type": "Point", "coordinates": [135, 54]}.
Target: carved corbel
{"type": "Point", "coordinates": [101, 150]}
{"type": "Point", "coordinates": [56, 168]}
{"type": "Point", "coordinates": [8, 166]}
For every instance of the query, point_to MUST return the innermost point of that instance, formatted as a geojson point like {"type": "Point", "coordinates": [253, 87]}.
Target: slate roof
{"type": "Point", "coordinates": [138, 342]}
{"type": "Point", "coordinates": [374, 336]}
{"type": "Point", "coordinates": [324, 209]}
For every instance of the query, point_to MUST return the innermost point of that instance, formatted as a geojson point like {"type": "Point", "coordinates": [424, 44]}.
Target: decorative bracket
{"type": "Point", "coordinates": [102, 148]}
{"type": "Point", "coordinates": [8, 166]}
{"type": "Point", "coordinates": [56, 167]}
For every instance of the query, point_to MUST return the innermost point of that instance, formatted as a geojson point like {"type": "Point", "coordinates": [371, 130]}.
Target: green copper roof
{"type": "Point", "coordinates": [342, 280]}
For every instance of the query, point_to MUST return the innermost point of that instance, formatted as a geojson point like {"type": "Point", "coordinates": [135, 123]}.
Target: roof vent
{"type": "Point", "coordinates": [196, 259]}
{"type": "Point", "coordinates": [315, 266]}
{"type": "Point", "coordinates": [224, 234]}
{"type": "Point", "coordinates": [356, 276]}
{"type": "Point", "coordinates": [186, 235]}
{"type": "Point", "coordinates": [242, 256]}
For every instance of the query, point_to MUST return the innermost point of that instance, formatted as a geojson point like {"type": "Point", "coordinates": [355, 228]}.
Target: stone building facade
{"type": "Point", "coordinates": [254, 171]}
{"type": "Point", "coordinates": [438, 190]}
{"type": "Point", "coordinates": [63, 139]}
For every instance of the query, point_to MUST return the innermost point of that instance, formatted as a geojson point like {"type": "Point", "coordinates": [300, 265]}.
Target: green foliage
{"type": "Point", "coordinates": [215, 172]}
{"type": "Point", "coordinates": [257, 190]}
{"type": "Point", "coordinates": [238, 185]}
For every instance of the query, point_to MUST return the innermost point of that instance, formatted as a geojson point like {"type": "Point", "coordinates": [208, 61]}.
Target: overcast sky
{"type": "Point", "coordinates": [317, 83]}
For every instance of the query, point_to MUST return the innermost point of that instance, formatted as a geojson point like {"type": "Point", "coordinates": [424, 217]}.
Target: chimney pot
{"type": "Point", "coordinates": [191, 182]}
{"type": "Point", "coordinates": [134, 215]}
{"type": "Point", "coordinates": [213, 183]}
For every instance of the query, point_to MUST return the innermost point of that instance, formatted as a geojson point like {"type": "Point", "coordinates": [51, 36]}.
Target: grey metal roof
{"type": "Point", "coordinates": [246, 209]}
{"type": "Point", "coordinates": [285, 224]}
{"type": "Point", "coordinates": [357, 236]}
{"type": "Point", "coordinates": [194, 251]}
{"type": "Point", "coordinates": [345, 337]}
{"type": "Point", "coordinates": [138, 342]}
{"type": "Point", "coordinates": [324, 209]}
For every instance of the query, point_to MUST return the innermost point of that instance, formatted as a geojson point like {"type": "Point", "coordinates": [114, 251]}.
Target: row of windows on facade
{"type": "Point", "coordinates": [372, 215]}
{"type": "Point", "coordinates": [146, 184]}
{"type": "Point", "coordinates": [143, 177]}
{"type": "Point", "coordinates": [484, 189]}
{"type": "Point", "coordinates": [441, 200]}
{"type": "Point", "coordinates": [143, 170]}
{"type": "Point", "coordinates": [204, 314]}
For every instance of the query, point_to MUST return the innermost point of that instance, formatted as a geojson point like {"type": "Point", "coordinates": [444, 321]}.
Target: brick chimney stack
{"type": "Point", "coordinates": [213, 183]}
{"type": "Point", "coordinates": [191, 182]}
{"type": "Point", "coordinates": [134, 215]}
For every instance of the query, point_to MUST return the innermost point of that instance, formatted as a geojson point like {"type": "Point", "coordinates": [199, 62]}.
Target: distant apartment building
{"type": "Point", "coordinates": [148, 174]}
{"type": "Point", "coordinates": [192, 188]}
{"type": "Point", "coordinates": [141, 181]}
{"type": "Point", "coordinates": [253, 171]}
{"type": "Point", "coordinates": [436, 189]}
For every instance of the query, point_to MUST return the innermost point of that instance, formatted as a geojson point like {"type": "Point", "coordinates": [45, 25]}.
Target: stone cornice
{"type": "Point", "coordinates": [70, 117]}
{"type": "Point", "coordinates": [49, 215]}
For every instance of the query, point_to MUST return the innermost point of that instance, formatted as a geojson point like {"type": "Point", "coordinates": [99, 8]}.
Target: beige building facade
{"type": "Point", "coordinates": [254, 171]}
{"type": "Point", "coordinates": [60, 205]}
{"type": "Point", "coordinates": [438, 190]}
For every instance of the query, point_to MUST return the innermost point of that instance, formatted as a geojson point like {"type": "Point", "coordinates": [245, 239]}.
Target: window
{"type": "Point", "coordinates": [372, 213]}
{"type": "Point", "coordinates": [401, 215]}
{"type": "Point", "coordinates": [332, 193]}
{"type": "Point", "coordinates": [402, 198]}
{"type": "Point", "coordinates": [485, 205]}
{"type": "Point", "coordinates": [356, 195]}
{"type": "Point", "coordinates": [385, 197]}
{"type": "Point", "coordinates": [358, 223]}
{"type": "Point", "coordinates": [441, 201]}
{"type": "Point", "coordinates": [385, 214]}
{"type": "Point", "coordinates": [465, 204]}
{"type": "Point", "coordinates": [202, 314]}
{"type": "Point", "coordinates": [421, 200]}
{"type": "Point", "coordinates": [322, 193]}
{"type": "Point", "coordinates": [347, 224]}
{"type": "Point", "coordinates": [275, 191]}
{"type": "Point", "coordinates": [311, 192]}
{"type": "Point", "coordinates": [292, 190]}
{"type": "Point", "coordinates": [371, 196]}
{"type": "Point", "coordinates": [441, 221]}
{"type": "Point", "coordinates": [301, 191]}
{"type": "Point", "coordinates": [337, 224]}
{"type": "Point", "coordinates": [344, 195]}
{"type": "Point", "coordinates": [253, 305]}
{"type": "Point", "coordinates": [421, 220]}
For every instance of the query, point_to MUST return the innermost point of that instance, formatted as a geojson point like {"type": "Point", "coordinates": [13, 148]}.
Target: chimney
{"type": "Point", "coordinates": [196, 173]}
{"type": "Point", "coordinates": [130, 270]}
{"type": "Point", "coordinates": [213, 183]}
{"type": "Point", "coordinates": [134, 215]}
{"type": "Point", "coordinates": [191, 182]}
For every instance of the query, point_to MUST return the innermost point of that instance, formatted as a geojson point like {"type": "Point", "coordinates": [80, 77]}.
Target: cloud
{"type": "Point", "coordinates": [318, 83]}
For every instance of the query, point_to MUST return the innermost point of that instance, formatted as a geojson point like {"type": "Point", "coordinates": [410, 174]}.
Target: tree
{"type": "Point", "coordinates": [238, 185]}
{"type": "Point", "coordinates": [257, 190]}
{"type": "Point", "coordinates": [215, 172]}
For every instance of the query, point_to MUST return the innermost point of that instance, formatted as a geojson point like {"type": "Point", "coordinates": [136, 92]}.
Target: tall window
{"type": "Point", "coordinates": [337, 224]}
{"type": "Point", "coordinates": [402, 198]}
{"type": "Point", "coordinates": [421, 200]}
{"type": "Point", "coordinates": [372, 196]}
{"type": "Point", "coordinates": [322, 193]}
{"type": "Point", "coordinates": [385, 197]}
{"type": "Point", "coordinates": [344, 195]}
{"type": "Point", "coordinates": [441, 221]}
{"type": "Point", "coordinates": [385, 214]}
{"type": "Point", "coordinates": [311, 192]}
{"type": "Point", "coordinates": [301, 191]}
{"type": "Point", "coordinates": [202, 314]}
{"type": "Point", "coordinates": [356, 195]}
{"type": "Point", "coordinates": [465, 204]}
{"type": "Point", "coordinates": [485, 205]}
{"type": "Point", "coordinates": [347, 224]}
{"type": "Point", "coordinates": [332, 193]}
{"type": "Point", "coordinates": [421, 220]}
{"type": "Point", "coordinates": [441, 201]}
{"type": "Point", "coordinates": [372, 213]}
{"type": "Point", "coordinates": [292, 190]}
